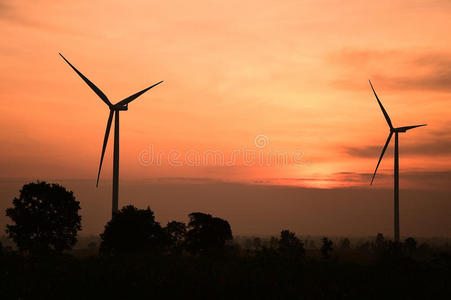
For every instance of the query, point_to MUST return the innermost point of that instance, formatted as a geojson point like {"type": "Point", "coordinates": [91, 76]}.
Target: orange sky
{"type": "Point", "coordinates": [294, 71]}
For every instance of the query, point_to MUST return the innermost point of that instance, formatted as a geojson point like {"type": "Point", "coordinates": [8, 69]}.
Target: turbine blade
{"type": "Point", "coordinates": [382, 154]}
{"type": "Point", "coordinates": [134, 96]}
{"type": "Point", "coordinates": [405, 128]}
{"type": "Point", "coordinates": [105, 141]}
{"type": "Point", "coordinates": [91, 85]}
{"type": "Point", "coordinates": [382, 107]}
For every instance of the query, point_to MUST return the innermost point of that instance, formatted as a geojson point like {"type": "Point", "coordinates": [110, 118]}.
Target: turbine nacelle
{"type": "Point", "coordinates": [122, 107]}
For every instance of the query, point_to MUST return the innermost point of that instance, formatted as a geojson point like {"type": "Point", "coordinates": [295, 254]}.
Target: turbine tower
{"type": "Point", "coordinates": [114, 110]}
{"type": "Point", "coordinates": [393, 130]}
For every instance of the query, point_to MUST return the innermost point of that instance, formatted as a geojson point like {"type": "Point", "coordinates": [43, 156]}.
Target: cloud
{"type": "Point", "coordinates": [184, 180]}
{"type": "Point", "coordinates": [12, 14]}
{"type": "Point", "coordinates": [415, 179]}
{"type": "Point", "coordinates": [444, 132]}
{"type": "Point", "coordinates": [4, 8]}
{"type": "Point", "coordinates": [19, 15]}
{"type": "Point", "coordinates": [410, 70]}
{"type": "Point", "coordinates": [431, 180]}
{"type": "Point", "coordinates": [439, 146]}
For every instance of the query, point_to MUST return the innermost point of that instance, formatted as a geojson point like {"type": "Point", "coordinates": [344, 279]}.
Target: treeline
{"type": "Point", "coordinates": [344, 247]}
{"type": "Point", "coordinates": [137, 257]}
{"type": "Point", "coordinates": [46, 220]}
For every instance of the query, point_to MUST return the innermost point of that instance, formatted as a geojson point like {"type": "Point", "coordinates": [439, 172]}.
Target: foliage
{"type": "Point", "coordinates": [273, 242]}
{"type": "Point", "coordinates": [410, 246]}
{"type": "Point", "coordinates": [265, 276]}
{"type": "Point", "coordinates": [133, 230]}
{"type": "Point", "coordinates": [326, 248]}
{"type": "Point", "coordinates": [257, 243]}
{"type": "Point", "coordinates": [45, 218]}
{"type": "Point", "coordinates": [207, 234]}
{"type": "Point", "coordinates": [177, 235]}
{"type": "Point", "coordinates": [345, 243]}
{"type": "Point", "coordinates": [380, 242]}
{"type": "Point", "coordinates": [289, 244]}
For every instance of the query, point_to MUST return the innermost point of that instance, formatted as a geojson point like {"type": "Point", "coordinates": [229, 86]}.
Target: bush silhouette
{"type": "Point", "coordinates": [345, 243]}
{"type": "Point", "coordinates": [257, 243]}
{"type": "Point", "coordinates": [380, 242]}
{"type": "Point", "coordinates": [326, 248]}
{"type": "Point", "coordinates": [176, 232]}
{"type": "Point", "coordinates": [410, 246]}
{"type": "Point", "coordinates": [133, 230]}
{"type": "Point", "coordinates": [46, 219]}
{"type": "Point", "coordinates": [207, 234]}
{"type": "Point", "coordinates": [273, 243]}
{"type": "Point", "coordinates": [290, 245]}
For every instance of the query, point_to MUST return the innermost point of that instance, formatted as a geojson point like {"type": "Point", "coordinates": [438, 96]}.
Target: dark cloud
{"type": "Point", "coordinates": [444, 132]}
{"type": "Point", "coordinates": [4, 8]}
{"type": "Point", "coordinates": [184, 179]}
{"type": "Point", "coordinates": [429, 180]}
{"type": "Point", "coordinates": [416, 179]}
{"type": "Point", "coordinates": [438, 80]}
{"type": "Point", "coordinates": [307, 179]}
{"type": "Point", "coordinates": [12, 14]}
{"type": "Point", "coordinates": [439, 146]}
{"type": "Point", "coordinates": [427, 70]}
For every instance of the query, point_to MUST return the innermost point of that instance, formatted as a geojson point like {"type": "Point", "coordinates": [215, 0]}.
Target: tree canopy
{"type": "Point", "coordinates": [177, 234]}
{"type": "Point", "coordinates": [207, 233]}
{"type": "Point", "coordinates": [45, 218]}
{"type": "Point", "coordinates": [326, 248]}
{"type": "Point", "coordinates": [133, 230]}
{"type": "Point", "coordinates": [290, 245]}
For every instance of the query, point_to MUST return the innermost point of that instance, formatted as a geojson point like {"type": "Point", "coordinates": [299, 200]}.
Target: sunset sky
{"type": "Point", "coordinates": [292, 75]}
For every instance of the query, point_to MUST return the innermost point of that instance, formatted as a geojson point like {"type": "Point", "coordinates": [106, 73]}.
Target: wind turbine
{"type": "Point", "coordinates": [394, 130]}
{"type": "Point", "coordinates": [114, 110]}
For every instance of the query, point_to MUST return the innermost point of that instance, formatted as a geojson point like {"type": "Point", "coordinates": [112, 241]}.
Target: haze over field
{"type": "Point", "coordinates": [262, 209]}
{"type": "Point", "coordinates": [265, 116]}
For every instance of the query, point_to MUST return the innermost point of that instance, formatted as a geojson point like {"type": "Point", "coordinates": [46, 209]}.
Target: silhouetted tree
{"type": "Point", "coordinates": [410, 245]}
{"type": "Point", "coordinates": [326, 248]}
{"type": "Point", "coordinates": [345, 243]}
{"type": "Point", "coordinates": [177, 235]}
{"type": "Point", "coordinates": [247, 243]}
{"type": "Point", "coordinates": [380, 243]}
{"type": "Point", "coordinates": [257, 243]}
{"type": "Point", "coordinates": [424, 249]}
{"type": "Point", "coordinates": [273, 242]}
{"type": "Point", "coordinates": [312, 244]}
{"type": "Point", "coordinates": [207, 234]}
{"type": "Point", "coordinates": [45, 217]}
{"type": "Point", "coordinates": [133, 230]}
{"type": "Point", "coordinates": [92, 245]}
{"type": "Point", "coordinates": [290, 245]}
{"type": "Point", "coordinates": [393, 248]}
{"type": "Point", "coordinates": [365, 245]}
{"type": "Point", "coordinates": [288, 239]}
